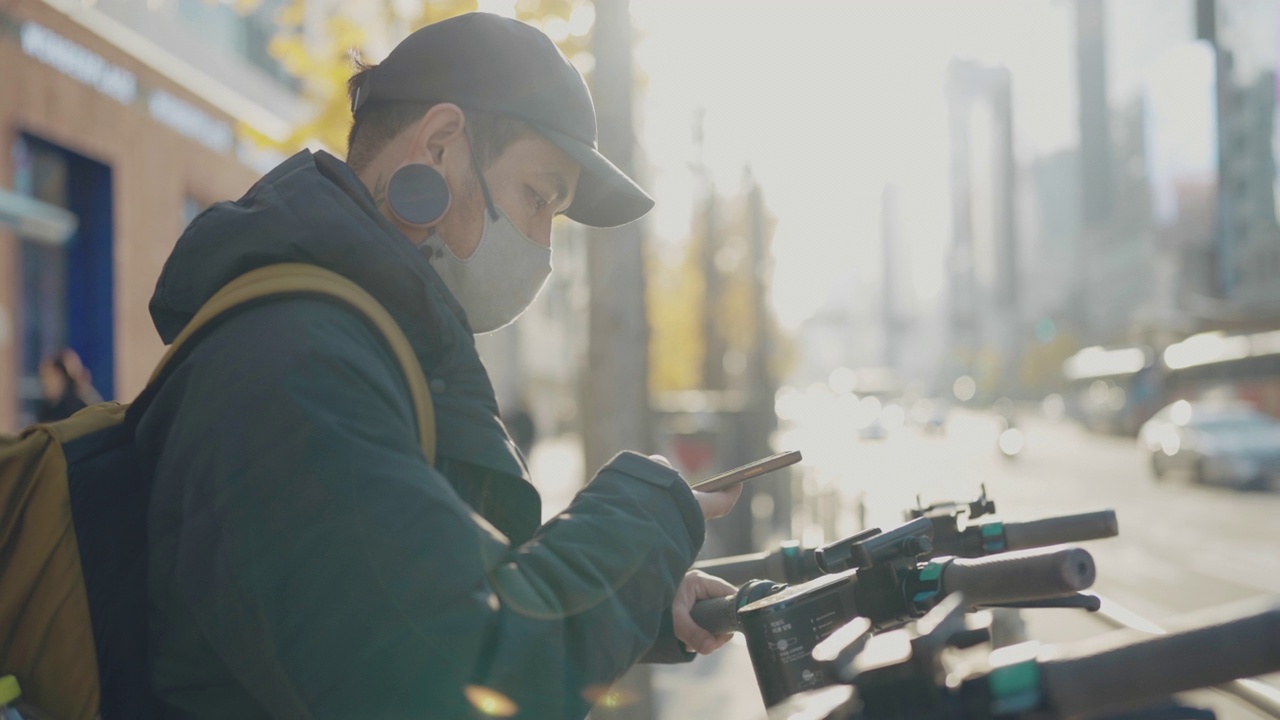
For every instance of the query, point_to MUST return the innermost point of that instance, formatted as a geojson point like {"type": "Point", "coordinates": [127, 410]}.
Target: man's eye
{"type": "Point", "coordinates": [538, 202]}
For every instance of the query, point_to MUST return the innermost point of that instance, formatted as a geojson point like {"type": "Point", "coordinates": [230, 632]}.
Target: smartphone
{"type": "Point", "coordinates": [748, 471]}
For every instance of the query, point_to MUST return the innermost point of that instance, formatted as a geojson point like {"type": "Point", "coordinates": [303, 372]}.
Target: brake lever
{"type": "Point", "coordinates": [1081, 601]}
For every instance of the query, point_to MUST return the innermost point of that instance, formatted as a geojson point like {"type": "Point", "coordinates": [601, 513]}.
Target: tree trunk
{"type": "Point", "coordinates": [616, 389]}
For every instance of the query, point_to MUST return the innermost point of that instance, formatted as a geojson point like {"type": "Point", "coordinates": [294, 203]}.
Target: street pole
{"type": "Point", "coordinates": [961, 285]}
{"type": "Point", "coordinates": [888, 290]}
{"type": "Point", "coordinates": [1095, 150]}
{"type": "Point", "coordinates": [761, 384]}
{"type": "Point", "coordinates": [713, 374]}
{"type": "Point", "coordinates": [1008, 301]}
{"type": "Point", "coordinates": [615, 399]}
{"type": "Point", "coordinates": [616, 406]}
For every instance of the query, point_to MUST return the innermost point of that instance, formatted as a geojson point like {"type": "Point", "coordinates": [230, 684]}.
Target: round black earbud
{"type": "Point", "coordinates": [418, 195]}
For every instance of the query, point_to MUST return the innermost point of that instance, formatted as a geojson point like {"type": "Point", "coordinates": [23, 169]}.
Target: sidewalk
{"type": "Point", "coordinates": [719, 685]}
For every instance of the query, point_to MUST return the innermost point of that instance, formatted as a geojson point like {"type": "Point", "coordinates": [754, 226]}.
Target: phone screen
{"type": "Point", "coordinates": [748, 471]}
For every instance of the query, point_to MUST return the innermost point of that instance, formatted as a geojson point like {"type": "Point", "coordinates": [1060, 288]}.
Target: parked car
{"type": "Point", "coordinates": [1228, 443]}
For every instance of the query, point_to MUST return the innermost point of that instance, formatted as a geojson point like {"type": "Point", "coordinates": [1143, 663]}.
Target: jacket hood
{"type": "Point", "coordinates": [312, 208]}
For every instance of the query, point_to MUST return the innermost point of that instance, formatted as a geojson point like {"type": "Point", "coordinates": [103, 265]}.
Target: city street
{"type": "Point", "coordinates": [1181, 548]}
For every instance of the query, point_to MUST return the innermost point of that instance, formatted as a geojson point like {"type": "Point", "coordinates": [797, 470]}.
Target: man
{"type": "Point", "coordinates": [306, 560]}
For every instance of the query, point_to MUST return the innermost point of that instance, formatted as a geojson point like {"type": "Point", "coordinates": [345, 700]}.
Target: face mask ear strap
{"type": "Point", "coordinates": [484, 187]}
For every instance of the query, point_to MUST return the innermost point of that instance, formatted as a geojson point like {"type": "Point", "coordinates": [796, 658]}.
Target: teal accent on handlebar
{"type": "Point", "coordinates": [931, 577]}
{"type": "Point", "coordinates": [1015, 688]}
{"type": "Point", "coordinates": [993, 537]}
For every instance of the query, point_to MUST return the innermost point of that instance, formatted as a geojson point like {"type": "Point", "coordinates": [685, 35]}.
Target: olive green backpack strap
{"type": "Point", "coordinates": [301, 278]}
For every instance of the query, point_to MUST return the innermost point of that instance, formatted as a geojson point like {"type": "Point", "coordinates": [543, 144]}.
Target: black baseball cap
{"type": "Point", "coordinates": [488, 62]}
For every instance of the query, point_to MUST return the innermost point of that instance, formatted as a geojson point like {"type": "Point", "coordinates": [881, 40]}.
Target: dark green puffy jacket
{"type": "Point", "coordinates": [307, 562]}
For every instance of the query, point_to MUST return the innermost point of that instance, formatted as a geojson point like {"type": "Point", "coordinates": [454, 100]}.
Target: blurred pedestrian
{"type": "Point", "coordinates": [66, 386]}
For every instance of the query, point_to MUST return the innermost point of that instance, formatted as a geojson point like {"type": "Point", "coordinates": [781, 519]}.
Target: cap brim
{"type": "Point", "coordinates": [605, 197]}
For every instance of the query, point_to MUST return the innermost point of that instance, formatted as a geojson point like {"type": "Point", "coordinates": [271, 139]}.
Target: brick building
{"type": "Point", "coordinates": [118, 123]}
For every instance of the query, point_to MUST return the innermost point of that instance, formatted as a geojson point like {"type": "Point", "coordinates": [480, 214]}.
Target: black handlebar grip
{"type": "Point", "coordinates": [1018, 576]}
{"type": "Point", "coordinates": [716, 615]}
{"type": "Point", "coordinates": [1114, 671]}
{"type": "Point", "coordinates": [740, 569]}
{"type": "Point", "coordinates": [1061, 530]}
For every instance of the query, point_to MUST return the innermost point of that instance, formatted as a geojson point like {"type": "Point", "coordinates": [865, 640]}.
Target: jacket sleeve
{"type": "Point", "coordinates": [667, 649]}
{"type": "Point", "coordinates": [337, 574]}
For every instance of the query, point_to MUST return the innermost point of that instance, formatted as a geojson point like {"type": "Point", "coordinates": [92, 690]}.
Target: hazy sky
{"type": "Point", "coordinates": [828, 100]}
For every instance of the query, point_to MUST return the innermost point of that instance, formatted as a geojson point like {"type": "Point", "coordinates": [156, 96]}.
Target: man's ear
{"type": "Point", "coordinates": [439, 128]}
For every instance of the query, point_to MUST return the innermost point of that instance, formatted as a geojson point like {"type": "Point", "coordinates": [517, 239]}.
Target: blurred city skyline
{"type": "Point", "coordinates": [983, 188]}
{"type": "Point", "coordinates": [803, 96]}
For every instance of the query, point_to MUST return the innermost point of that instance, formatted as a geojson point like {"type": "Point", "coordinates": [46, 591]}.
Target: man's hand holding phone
{"type": "Point", "coordinates": [713, 504]}
{"type": "Point", "coordinates": [719, 503]}
{"type": "Point", "coordinates": [717, 496]}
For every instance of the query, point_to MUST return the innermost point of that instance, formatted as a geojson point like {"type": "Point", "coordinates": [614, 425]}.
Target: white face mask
{"type": "Point", "coordinates": [500, 279]}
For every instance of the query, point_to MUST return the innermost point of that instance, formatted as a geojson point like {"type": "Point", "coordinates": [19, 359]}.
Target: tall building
{"type": "Point", "coordinates": [1248, 252]}
{"type": "Point", "coordinates": [1191, 96]}
{"type": "Point", "coordinates": [1120, 220]}
{"type": "Point", "coordinates": [986, 316]}
{"type": "Point", "coordinates": [1147, 167]}
{"type": "Point", "coordinates": [119, 121]}
{"type": "Point", "coordinates": [1092, 232]}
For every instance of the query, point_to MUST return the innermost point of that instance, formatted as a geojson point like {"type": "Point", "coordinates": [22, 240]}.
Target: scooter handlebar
{"type": "Point", "coordinates": [716, 615]}
{"type": "Point", "coordinates": [1019, 576]}
{"type": "Point", "coordinates": [1061, 530]}
{"type": "Point", "coordinates": [1116, 671]}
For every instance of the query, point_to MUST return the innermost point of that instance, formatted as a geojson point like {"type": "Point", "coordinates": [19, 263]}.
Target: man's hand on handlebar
{"type": "Point", "coordinates": [713, 504]}
{"type": "Point", "coordinates": [696, 586]}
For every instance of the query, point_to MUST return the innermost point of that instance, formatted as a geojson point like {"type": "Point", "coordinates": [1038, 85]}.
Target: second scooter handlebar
{"type": "Point", "coordinates": [1001, 579]}
{"type": "Point", "coordinates": [1127, 668]}
{"type": "Point", "coordinates": [1061, 530]}
{"type": "Point", "coordinates": [791, 563]}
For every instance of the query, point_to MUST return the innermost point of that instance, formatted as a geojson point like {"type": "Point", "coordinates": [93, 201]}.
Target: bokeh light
{"type": "Point", "coordinates": [490, 702]}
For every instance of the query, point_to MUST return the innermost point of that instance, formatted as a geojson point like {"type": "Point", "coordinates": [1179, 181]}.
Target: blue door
{"type": "Point", "coordinates": [67, 297]}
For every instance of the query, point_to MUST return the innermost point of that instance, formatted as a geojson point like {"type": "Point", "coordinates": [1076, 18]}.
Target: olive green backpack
{"type": "Point", "coordinates": [73, 501]}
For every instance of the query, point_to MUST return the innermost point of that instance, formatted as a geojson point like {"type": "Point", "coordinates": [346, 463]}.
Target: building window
{"type": "Point", "coordinates": [248, 36]}
{"type": "Point", "coordinates": [66, 295]}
